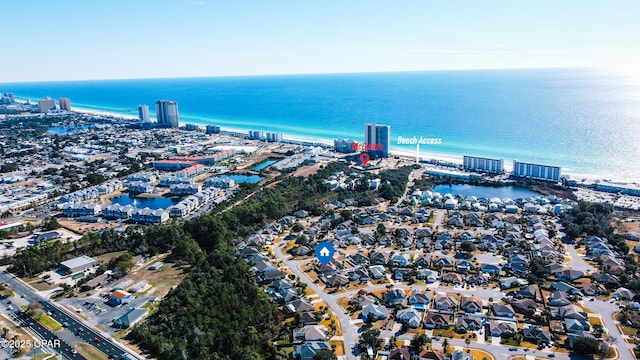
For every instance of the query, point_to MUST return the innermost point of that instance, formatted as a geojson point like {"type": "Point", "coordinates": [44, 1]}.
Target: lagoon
{"type": "Point", "coordinates": [502, 192]}
{"type": "Point", "coordinates": [238, 178]}
{"type": "Point", "coordinates": [62, 130]}
{"type": "Point", "coordinates": [261, 165]}
{"type": "Point", "coordinates": [152, 203]}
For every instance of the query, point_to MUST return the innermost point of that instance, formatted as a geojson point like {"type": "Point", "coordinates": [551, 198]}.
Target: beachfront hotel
{"type": "Point", "coordinates": [492, 166]}
{"type": "Point", "coordinates": [536, 171]}
{"type": "Point", "coordinates": [65, 104]}
{"type": "Point", "coordinates": [379, 135]}
{"type": "Point", "coordinates": [143, 113]}
{"type": "Point", "coordinates": [167, 113]}
{"type": "Point", "coordinates": [344, 146]}
{"type": "Point", "coordinates": [46, 104]}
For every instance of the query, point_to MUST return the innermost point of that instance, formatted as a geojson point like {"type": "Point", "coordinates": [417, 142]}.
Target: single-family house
{"type": "Point", "coordinates": [401, 260]}
{"type": "Point", "coordinates": [452, 278]}
{"type": "Point", "coordinates": [310, 333]}
{"type": "Point", "coordinates": [445, 302]}
{"type": "Point", "coordinates": [308, 350]}
{"type": "Point", "coordinates": [502, 310]}
{"type": "Point", "coordinates": [418, 297]}
{"type": "Point", "coordinates": [395, 297]}
{"type": "Point", "coordinates": [536, 334]}
{"type": "Point", "coordinates": [376, 311]}
{"type": "Point", "coordinates": [470, 304]}
{"type": "Point", "coordinates": [428, 275]}
{"type": "Point", "coordinates": [558, 298]}
{"type": "Point", "coordinates": [468, 323]}
{"type": "Point", "coordinates": [498, 328]}
{"type": "Point", "coordinates": [435, 319]}
{"type": "Point", "coordinates": [490, 269]}
{"type": "Point", "coordinates": [464, 266]}
{"type": "Point", "coordinates": [524, 306]}
{"type": "Point", "coordinates": [377, 271]}
{"type": "Point", "coordinates": [409, 316]}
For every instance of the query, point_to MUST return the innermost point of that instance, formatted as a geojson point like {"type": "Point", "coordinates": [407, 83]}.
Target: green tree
{"type": "Point", "coordinates": [572, 231]}
{"type": "Point", "coordinates": [51, 223]}
{"type": "Point", "coordinates": [124, 263]}
{"type": "Point", "coordinates": [445, 346]}
{"type": "Point", "coordinates": [418, 342]}
{"type": "Point", "coordinates": [297, 227]}
{"type": "Point", "coordinates": [586, 346]}
{"type": "Point", "coordinates": [325, 355]}
{"type": "Point", "coordinates": [468, 247]}
{"type": "Point", "coordinates": [369, 337]}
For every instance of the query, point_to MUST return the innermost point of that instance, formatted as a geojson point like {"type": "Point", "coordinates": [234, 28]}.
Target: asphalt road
{"type": "Point", "coordinates": [50, 339]}
{"type": "Point", "coordinates": [606, 309]}
{"type": "Point", "coordinates": [26, 295]}
{"type": "Point", "coordinates": [349, 331]}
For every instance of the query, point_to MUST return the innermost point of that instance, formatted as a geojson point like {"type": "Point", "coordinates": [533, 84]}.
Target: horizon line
{"type": "Point", "coordinates": [313, 73]}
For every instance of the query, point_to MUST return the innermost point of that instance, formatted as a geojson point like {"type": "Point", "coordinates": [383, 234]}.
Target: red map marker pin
{"type": "Point", "coordinates": [364, 159]}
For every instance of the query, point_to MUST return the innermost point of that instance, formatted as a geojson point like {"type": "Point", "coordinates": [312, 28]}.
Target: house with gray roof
{"type": "Point", "coordinates": [377, 311]}
{"type": "Point", "coordinates": [409, 316]}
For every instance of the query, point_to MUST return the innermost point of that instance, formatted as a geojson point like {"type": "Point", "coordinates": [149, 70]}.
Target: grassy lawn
{"type": "Point", "coordinates": [308, 291]}
{"type": "Point", "coordinates": [108, 256]}
{"type": "Point", "coordinates": [595, 321]}
{"type": "Point", "coordinates": [627, 330]}
{"type": "Point", "coordinates": [45, 357]}
{"type": "Point", "coordinates": [448, 332]}
{"type": "Point", "coordinates": [161, 280]}
{"type": "Point", "coordinates": [339, 346]}
{"type": "Point", "coordinates": [41, 285]}
{"type": "Point", "coordinates": [336, 322]}
{"type": "Point", "coordinates": [13, 330]}
{"type": "Point", "coordinates": [90, 352]}
{"type": "Point", "coordinates": [480, 354]}
{"type": "Point", "coordinates": [49, 323]}
{"type": "Point", "coordinates": [120, 334]}
{"type": "Point", "coordinates": [584, 309]}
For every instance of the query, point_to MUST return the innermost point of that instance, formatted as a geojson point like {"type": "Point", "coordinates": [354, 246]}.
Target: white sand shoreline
{"type": "Point", "coordinates": [412, 154]}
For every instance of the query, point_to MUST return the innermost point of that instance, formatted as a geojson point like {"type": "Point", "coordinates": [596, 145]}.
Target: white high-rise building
{"type": "Point", "coordinates": [143, 113]}
{"type": "Point", "coordinates": [536, 171]}
{"type": "Point", "coordinates": [167, 113]}
{"type": "Point", "coordinates": [494, 166]}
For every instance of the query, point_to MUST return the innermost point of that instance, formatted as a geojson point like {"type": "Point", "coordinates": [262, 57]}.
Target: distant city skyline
{"type": "Point", "coordinates": [208, 38]}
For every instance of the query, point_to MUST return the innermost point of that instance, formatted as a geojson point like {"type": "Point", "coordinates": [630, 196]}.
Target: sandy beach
{"type": "Point", "coordinates": [411, 154]}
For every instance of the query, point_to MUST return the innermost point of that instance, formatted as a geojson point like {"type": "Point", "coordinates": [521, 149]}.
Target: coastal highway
{"type": "Point", "coordinates": [51, 340]}
{"type": "Point", "coordinates": [77, 331]}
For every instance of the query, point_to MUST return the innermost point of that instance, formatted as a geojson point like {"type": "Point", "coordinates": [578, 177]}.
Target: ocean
{"type": "Point", "coordinates": [586, 121]}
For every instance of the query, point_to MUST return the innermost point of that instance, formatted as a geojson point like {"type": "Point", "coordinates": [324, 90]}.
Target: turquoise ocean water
{"type": "Point", "coordinates": [586, 121]}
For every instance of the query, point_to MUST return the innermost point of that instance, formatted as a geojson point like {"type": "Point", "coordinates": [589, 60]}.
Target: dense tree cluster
{"type": "Point", "coordinates": [394, 182]}
{"type": "Point", "coordinates": [138, 240]}
{"type": "Point", "coordinates": [588, 218]}
{"type": "Point", "coordinates": [586, 346]}
{"type": "Point", "coordinates": [217, 312]}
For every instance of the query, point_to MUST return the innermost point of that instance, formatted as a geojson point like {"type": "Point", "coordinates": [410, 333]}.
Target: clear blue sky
{"type": "Point", "coordinates": [67, 40]}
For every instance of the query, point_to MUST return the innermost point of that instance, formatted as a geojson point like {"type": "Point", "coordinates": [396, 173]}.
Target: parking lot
{"type": "Point", "coordinates": [97, 312]}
